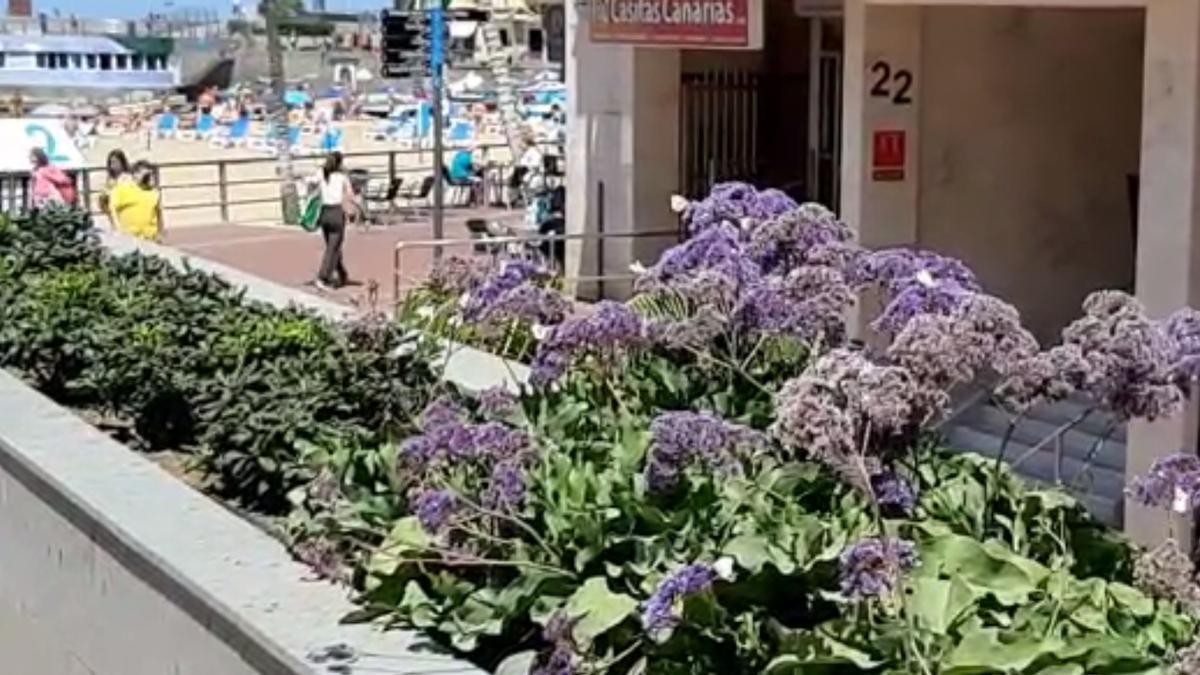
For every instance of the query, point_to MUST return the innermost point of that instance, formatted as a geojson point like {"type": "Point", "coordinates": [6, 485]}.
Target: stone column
{"type": "Point", "coordinates": [1168, 246]}
{"type": "Point", "coordinates": [881, 105]}
{"type": "Point", "coordinates": [622, 150]}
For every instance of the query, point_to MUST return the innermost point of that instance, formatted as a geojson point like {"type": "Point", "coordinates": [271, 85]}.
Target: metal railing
{"type": "Point", "coordinates": [234, 180]}
{"type": "Point", "coordinates": [523, 245]}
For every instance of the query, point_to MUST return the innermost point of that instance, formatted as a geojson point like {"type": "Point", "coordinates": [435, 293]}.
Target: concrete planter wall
{"type": "Point", "coordinates": [111, 566]}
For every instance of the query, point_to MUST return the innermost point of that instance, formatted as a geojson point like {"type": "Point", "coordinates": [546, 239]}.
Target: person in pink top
{"type": "Point", "coordinates": [49, 184]}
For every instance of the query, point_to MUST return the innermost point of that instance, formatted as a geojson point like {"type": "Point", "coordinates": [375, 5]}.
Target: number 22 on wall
{"type": "Point", "coordinates": [889, 83]}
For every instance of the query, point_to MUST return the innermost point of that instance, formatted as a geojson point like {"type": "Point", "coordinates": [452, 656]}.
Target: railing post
{"type": "Point", "coordinates": [85, 189]}
{"type": "Point", "coordinates": [391, 168]}
{"type": "Point", "coordinates": [223, 190]}
{"type": "Point", "coordinates": [600, 244]}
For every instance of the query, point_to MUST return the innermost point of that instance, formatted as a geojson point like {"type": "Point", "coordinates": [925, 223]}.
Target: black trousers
{"type": "Point", "coordinates": [333, 228]}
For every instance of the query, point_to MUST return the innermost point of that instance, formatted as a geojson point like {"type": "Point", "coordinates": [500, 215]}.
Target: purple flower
{"type": "Point", "coordinates": [506, 488]}
{"type": "Point", "coordinates": [920, 297]}
{"type": "Point", "coordinates": [680, 439]}
{"type": "Point", "coordinates": [894, 495]}
{"type": "Point", "coordinates": [607, 334]}
{"type": "Point", "coordinates": [731, 202]}
{"type": "Point", "coordinates": [496, 442]}
{"type": "Point", "coordinates": [564, 657]}
{"type": "Point", "coordinates": [434, 509]}
{"type": "Point", "coordinates": [323, 557]}
{"type": "Point", "coordinates": [440, 412]}
{"type": "Point", "coordinates": [526, 303]}
{"type": "Point", "coordinates": [1128, 357]}
{"type": "Point", "coordinates": [662, 612]}
{"type": "Point", "coordinates": [873, 567]}
{"type": "Point", "coordinates": [802, 236]}
{"type": "Point", "coordinates": [509, 275]}
{"type": "Point", "coordinates": [497, 402]}
{"type": "Point", "coordinates": [456, 275]}
{"type": "Point", "coordinates": [810, 303]}
{"type": "Point", "coordinates": [895, 269]}
{"type": "Point", "coordinates": [1183, 327]}
{"type": "Point", "coordinates": [1172, 483]}
{"type": "Point", "coordinates": [710, 268]}
{"type": "Point", "coordinates": [838, 409]}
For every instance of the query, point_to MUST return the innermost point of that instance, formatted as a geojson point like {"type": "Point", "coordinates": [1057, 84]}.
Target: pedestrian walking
{"type": "Point", "coordinates": [50, 185]}
{"type": "Point", "coordinates": [137, 204]}
{"type": "Point", "coordinates": [116, 168]}
{"type": "Point", "coordinates": [337, 202]}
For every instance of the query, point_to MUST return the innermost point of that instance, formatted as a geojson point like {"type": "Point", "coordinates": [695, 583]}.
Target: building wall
{"type": "Point", "coordinates": [1030, 122]}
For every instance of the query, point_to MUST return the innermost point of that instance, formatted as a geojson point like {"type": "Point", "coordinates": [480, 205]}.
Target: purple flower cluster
{"type": "Point", "coordinates": [324, 558]}
{"type": "Point", "coordinates": [514, 291]}
{"type": "Point", "coordinates": [1172, 483]}
{"type": "Point", "coordinates": [662, 612]}
{"type": "Point", "coordinates": [1127, 357]}
{"type": "Point", "coordinates": [839, 405]}
{"type": "Point", "coordinates": [810, 303]}
{"type": "Point", "coordinates": [711, 267]}
{"type": "Point", "coordinates": [489, 457]}
{"type": "Point", "coordinates": [894, 495]}
{"type": "Point", "coordinates": [434, 509]}
{"type": "Point", "coordinates": [682, 439]}
{"type": "Point", "coordinates": [874, 567]}
{"type": "Point", "coordinates": [807, 235]}
{"type": "Point", "coordinates": [1183, 327]}
{"type": "Point", "coordinates": [729, 203]}
{"type": "Point", "coordinates": [563, 658]}
{"type": "Point", "coordinates": [456, 275]}
{"type": "Point", "coordinates": [607, 334]}
{"type": "Point", "coordinates": [497, 402]}
{"type": "Point", "coordinates": [915, 282]}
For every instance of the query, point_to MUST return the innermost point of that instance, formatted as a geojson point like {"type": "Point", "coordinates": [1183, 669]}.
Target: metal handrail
{"type": "Point", "coordinates": [386, 166]}
{"type": "Point", "coordinates": [495, 244]}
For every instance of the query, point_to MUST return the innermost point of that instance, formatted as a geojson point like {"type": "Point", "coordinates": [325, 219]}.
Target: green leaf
{"type": "Point", "coordinates": [1068, 669]}
{"type": "Point", "coordinates": [982, 651]}
{"type": "Point", "coordinates": [937, 604]}
{"type": "Point", "coordinates": [1133, 600]}
{"type": "Point", "coordinates": [598, 609]}
{"type": "Point", "coordinates": [751, 551]}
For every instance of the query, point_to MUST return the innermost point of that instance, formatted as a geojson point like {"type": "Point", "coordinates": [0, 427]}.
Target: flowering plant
{"type": "Point", "coordinates": [710, 478]}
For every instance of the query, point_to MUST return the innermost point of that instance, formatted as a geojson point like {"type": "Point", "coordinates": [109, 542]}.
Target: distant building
{"type": "Point", "coordinates": [20, 8]}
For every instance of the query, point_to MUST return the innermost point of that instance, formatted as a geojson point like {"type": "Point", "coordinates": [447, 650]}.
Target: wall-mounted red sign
{"type": "Point", "coordinates": [712, 23]}
{"type": "Point", "coordinates": [888, 155]}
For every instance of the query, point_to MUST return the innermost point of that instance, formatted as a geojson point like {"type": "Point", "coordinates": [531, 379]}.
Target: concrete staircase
{"type": "Point", "coordinates": [1100, 483]}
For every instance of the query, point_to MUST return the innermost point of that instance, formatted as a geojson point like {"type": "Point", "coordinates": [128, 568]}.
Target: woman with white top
{"type": "Point", "coordinates": [337, 198]}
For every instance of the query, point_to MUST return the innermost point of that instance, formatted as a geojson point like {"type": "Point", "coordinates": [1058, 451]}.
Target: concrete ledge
{"type": "Point", "coordinates": [110, 566]}
{"type": "Point", "coordinates": [468, 367]}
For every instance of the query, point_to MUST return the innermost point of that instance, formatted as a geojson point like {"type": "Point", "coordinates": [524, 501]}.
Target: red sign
{"type": "Point", "coordinates": [713, 23]}
{"type": "Point", "coordinates": [888, 154]}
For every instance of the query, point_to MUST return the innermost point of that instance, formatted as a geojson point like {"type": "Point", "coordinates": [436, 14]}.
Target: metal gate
{"type": "Point", "coordinates": [718, 123]}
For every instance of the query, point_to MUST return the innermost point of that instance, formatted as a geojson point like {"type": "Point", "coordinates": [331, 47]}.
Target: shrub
{"type": "Point", "coordinates": [173, 359]}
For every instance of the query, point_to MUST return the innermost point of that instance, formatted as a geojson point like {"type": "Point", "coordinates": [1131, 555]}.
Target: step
{"type": "Point", "coordinates": [1105, 482]}
{"type": "Point", "coordinates": [1078, 442]}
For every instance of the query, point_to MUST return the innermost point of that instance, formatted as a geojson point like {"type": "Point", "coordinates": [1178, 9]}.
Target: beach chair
{"type": "Point", "coordinates": [332, 141]}
{"type": "Point", "coordinates": [234, 137]}
{"type": "Point", "coordinates": [264, 142]}
{"type": "Point", "coordinates": [413, 198]}
{"type": "Point", "coordinates": [168, 125]}
{"type": "Point", "coordinates": [460, 134]}
{"type": "Point", "coordinates": [205, 126]}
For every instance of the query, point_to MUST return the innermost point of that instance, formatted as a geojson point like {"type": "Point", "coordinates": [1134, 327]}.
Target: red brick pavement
{"type": "Point", "coordinates": [290, 255]}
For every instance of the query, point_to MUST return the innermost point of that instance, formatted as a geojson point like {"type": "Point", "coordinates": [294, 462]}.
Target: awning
{"type": "Point", "coordinates": [463, 29]}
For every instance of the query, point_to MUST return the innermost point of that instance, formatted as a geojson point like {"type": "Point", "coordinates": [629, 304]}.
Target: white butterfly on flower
{"type": "Point", "coordinates": [679, 203]}
{"type": "Point", "coordinates": [637, 267]}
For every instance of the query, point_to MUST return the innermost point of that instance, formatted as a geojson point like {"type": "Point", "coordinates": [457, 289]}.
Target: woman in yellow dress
{"type": "Point", "coordinates": [136, 204]}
